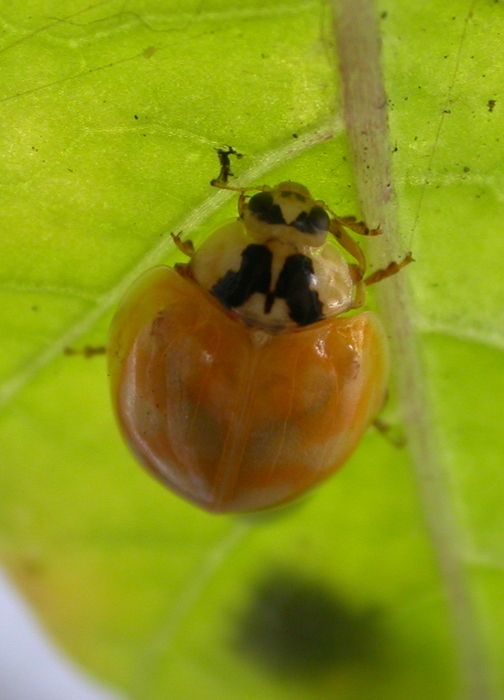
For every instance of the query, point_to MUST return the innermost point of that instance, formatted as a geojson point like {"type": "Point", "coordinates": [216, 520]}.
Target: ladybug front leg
{"type": "Point", "coordinates": [391, 269]}
{"type": "Point", "coordinates": [358, 227]}
{"type": "Point", "coordinates": [242, 190]}
{"type": "Point", "coordinates": [348, 244]}
{"type": "Point", "coordinates": [337, 227]}
{"type": "Point", "coordinates": [186, 247]}
{"type": "Point", "coordinates": [359, 296]}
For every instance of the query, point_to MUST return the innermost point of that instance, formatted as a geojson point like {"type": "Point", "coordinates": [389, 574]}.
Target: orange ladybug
{"type": "Point", "coordinates": [239, 380]}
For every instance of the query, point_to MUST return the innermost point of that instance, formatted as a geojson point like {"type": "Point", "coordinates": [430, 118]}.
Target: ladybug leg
{"type": "Point", "coordinates": [224, 186]}
{"type": "Point", "coordinates": [360, 295]}
{"type": "Point", "coordinates": [348, 244]}
{"type": "Point", "coordinates": [359, 286]}
{"type": "Point", "coordinates": [241, 203]}
{"type": "Point", "coordinates": [389, 432]}
{"type": "Point", "coordinates": [391, 269]}
{"type": "Point", "coordinates": [242, 190]}
{"type": "Point", "coordinates": [185, 247]}
{"type": "Point", "coordinates": [337, 227]}
{"type": "Point", "coordinates": [87, 351]}
{"type": "Point", "coordinates": [358, 227]}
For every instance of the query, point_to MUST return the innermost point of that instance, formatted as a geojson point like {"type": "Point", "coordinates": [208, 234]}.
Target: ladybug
{"type": "Point", "coordinates": [241, 379]}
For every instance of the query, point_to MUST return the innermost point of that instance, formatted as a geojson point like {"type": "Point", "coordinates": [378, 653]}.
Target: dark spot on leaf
{"type": "Point", "coordinates": [296, 626]}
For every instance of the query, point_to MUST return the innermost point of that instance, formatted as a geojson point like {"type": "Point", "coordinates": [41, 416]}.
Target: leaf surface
{"type": "Point", "coordinates": [111, 113]}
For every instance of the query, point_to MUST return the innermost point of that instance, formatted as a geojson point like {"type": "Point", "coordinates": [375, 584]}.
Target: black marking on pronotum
{"type": "Point", "coordinates": [254, 275]}
{"type": "Point", "coordinates": [315, 221]}
{"type": "Point", "coordinates": [264, 208]}
{"type": "Point", "coordinates": [294, 286]}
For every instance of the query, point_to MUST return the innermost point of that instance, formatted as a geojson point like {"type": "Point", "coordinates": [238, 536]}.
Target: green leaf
{"type": "Point", "coordinates": [111, 114]}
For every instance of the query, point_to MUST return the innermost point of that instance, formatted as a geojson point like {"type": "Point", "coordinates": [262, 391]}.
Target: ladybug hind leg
{"type": "Point", "coordinates": [392, 433]}
{"type": "Point", "coordinates": [392, 269]}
